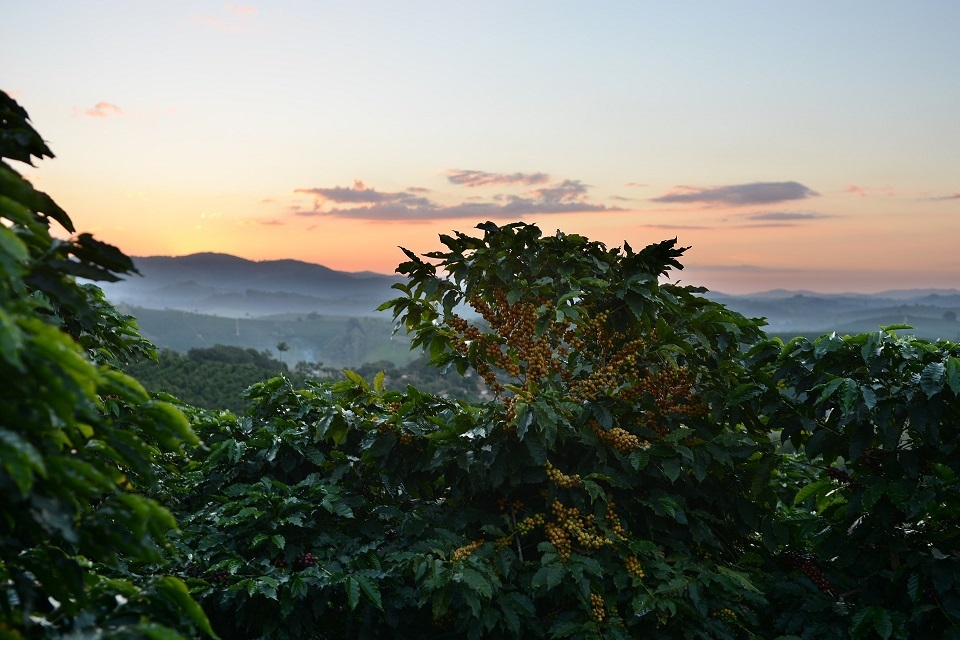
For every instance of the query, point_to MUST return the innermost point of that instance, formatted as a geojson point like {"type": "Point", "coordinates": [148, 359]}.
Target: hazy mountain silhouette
{"type": "Point", "coordinates": [225, 285]}
{"type": "Point", "coordinates": [222, 284]}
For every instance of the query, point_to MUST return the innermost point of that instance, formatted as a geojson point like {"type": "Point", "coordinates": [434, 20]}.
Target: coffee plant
{"type": "Point", "coordinates": [613, 487]}
{"type": "Point", "coordinates": [870, 541]}
{"type": "Point", "coordinates": [81, 444]}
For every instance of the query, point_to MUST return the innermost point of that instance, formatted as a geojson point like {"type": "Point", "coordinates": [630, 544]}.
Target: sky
{"type": "Point", "coordinates": [801, 145]}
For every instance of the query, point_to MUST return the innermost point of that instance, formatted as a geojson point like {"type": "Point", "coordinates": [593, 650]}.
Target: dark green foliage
{"type": "Point", "coordinates": [81, 444]}
{"type": "Point", "coordinates": [878, 417]}
{"type": "Point", "coordinates": [210, 378]}
{"type": "Point", "coordinates": [515, 518]}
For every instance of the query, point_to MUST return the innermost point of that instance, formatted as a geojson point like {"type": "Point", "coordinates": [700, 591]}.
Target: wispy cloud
{"type": "Point", "coordinates": [739, 194]}
{"type": "Point", "coordinates": [569, 196]}
{"type": "Point", "coordinates": [638, 184]}
{"type": "Point", "coordinates": [103, 110]}
{"type": "Point", "coordinates": [955, 196]}
{"type": "Point", "coordinates": [481, 178]}
{"type": "Point", "coordinates": [864, 191]}
{"type": "Point", "coordinates": [359, 193]}
{"type": "Point", "coordinates": [786, 216]}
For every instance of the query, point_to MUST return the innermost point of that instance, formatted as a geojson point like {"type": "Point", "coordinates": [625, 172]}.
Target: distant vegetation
{"type": "Point", "coordinates": [337, 341]}
{"type": "Point", "coordinates": [216, 377]}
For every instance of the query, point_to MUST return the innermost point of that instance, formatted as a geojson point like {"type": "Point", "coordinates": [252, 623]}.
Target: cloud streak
{"type": "Point", "coordinates": [786, 216]}
{"type": "Point", "coordinates": [738, 194]}
{"type": "Point", "coordinates": [103, 110]}
{"type": "Point", "coordinates": [363, 202]}
{"type": "Point", "coordinates": [480, 178]}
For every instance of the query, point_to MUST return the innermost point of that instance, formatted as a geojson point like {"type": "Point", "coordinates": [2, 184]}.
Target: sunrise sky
{"type": "Point", "coordinates": [802, 145]}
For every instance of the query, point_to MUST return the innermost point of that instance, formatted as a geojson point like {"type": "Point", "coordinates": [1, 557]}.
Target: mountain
{"type": "Point", "coordinates": [932, 312]}
{"type": "Point", "coordinates": [308, 306]}
{"type": "Point", "coordinates": [225, 285]}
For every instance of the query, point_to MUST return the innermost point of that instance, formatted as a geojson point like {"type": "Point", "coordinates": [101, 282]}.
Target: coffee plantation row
{"type": "Point", "coordinates": [651, 465]}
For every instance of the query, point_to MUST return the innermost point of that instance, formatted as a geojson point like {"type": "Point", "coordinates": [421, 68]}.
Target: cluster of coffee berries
{"type": "Point", "coordinates": [305, 561]}
{"type": "Point", "coordinates": [810, 567]}
{"type": "Point", "coordinates": [838, 475]}
{"type": "Point", "coordinates": [672, 393]}
{"type": "Point", "coordinates": [569, 524]}
{"type": "Point", "coordinates": [703, 552]}
{"type": "Point", "coordinates": [596, 605]}
{"type": "Point", "coordinates": [194, 570]}
{"type": "Point", "coordinates": [614, 521]}
{"type": "Point", "coordinates": [560, 479]}
{"type": "Point", "coordinates": [726, 615]}
{"type": "Point", "coordinates": [281, 563]}
{"type": "Point", "coordinates": [617, 437]}
{"type": "Point", "coordinates": [559, 538]}
{"type": "Point", "coordinates": [406, 438]}
{"type": "Point", "coordinates": [617, 366]}
{"type": "Point", "coordinates": [632, 564]}
{"type": "Point", "coordinates": [530, 523]}
{"type": "Point", "coordinates": [504, 504]}
{"type": "Point", "coordinates": [463, 552]}
{"type": "Point", "coordinates": [444, 621]}
{"type": "Point", "coordinates": [219, 576]}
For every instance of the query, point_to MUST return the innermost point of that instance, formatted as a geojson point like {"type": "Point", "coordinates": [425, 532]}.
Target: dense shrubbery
{"type": "Point", "coordinates": [650, 465]}
{"type": "Point", "coordinates": [210, 378]}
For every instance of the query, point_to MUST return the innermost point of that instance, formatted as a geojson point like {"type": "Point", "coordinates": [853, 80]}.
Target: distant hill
{"type": "Point", "coordinates": [933, 312]}
{"type": "Point", "coordinates": [328, 315]}
{"type": "Point", "coordinates": [225, 285]}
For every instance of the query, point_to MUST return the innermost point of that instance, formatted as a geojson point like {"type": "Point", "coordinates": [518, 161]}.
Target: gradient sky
{"type": "Point", "coordinates": [801, 145]}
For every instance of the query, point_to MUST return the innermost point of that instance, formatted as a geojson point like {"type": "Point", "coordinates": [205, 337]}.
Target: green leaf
{"type": "Point", "coordinates": [353, 592]}
{"type": "Point", "coordinates": [21, 460]}
{"type": "Point", "coordinates": [477, 582]}
{"type": "Point", "coordinates": [177, 592]}
{"type": "Point", "coordinates": [357, 379]}
{"type": "Point", "coordinates": [811, 490]}
{"type": "Point", "coordinates": [952, 373]}
{"type": "Point", "coordinates": [549, 575]}
{"type": "Point", "coordinates": [739, 577]}
{"type": "Point", "coordinates": [378, 382]}
{"type": "Point", "coordinates": [931, 378]}
{"type": "Point", "coordinates": [370, 590]}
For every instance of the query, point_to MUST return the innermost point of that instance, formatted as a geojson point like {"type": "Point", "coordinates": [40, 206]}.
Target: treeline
{"type": "Point", "coordinates": [211, 378]}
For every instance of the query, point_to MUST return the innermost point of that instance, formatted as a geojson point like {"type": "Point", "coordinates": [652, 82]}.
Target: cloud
{"type": "Point", "coordinates": [359, 193]}
{"type": "Point", "coordinates": [569, 190]}
{"type": "Point", "coordinates": [739, 194]}
{"type": "Point", "coordinates": [417, 189]}
{"type": "Point", "coordinates": [103, 110]}
{"type": "Point", "coordinates": [864, 191]}
{"type": "Point", "coordinates": [480, 178]}
{"type": "Point", "coordinates": [620, 198]}
{"type": "Point", "coordinates": [568, 196]}
{"type": "Point", "coordinates": [243, 10]}
{"type": "Point", "coordinates": [955, 196]}
{"type": "Point", "coordinates": [785, 216]}
{"type": "Point", "coordinates": [638, 184]}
